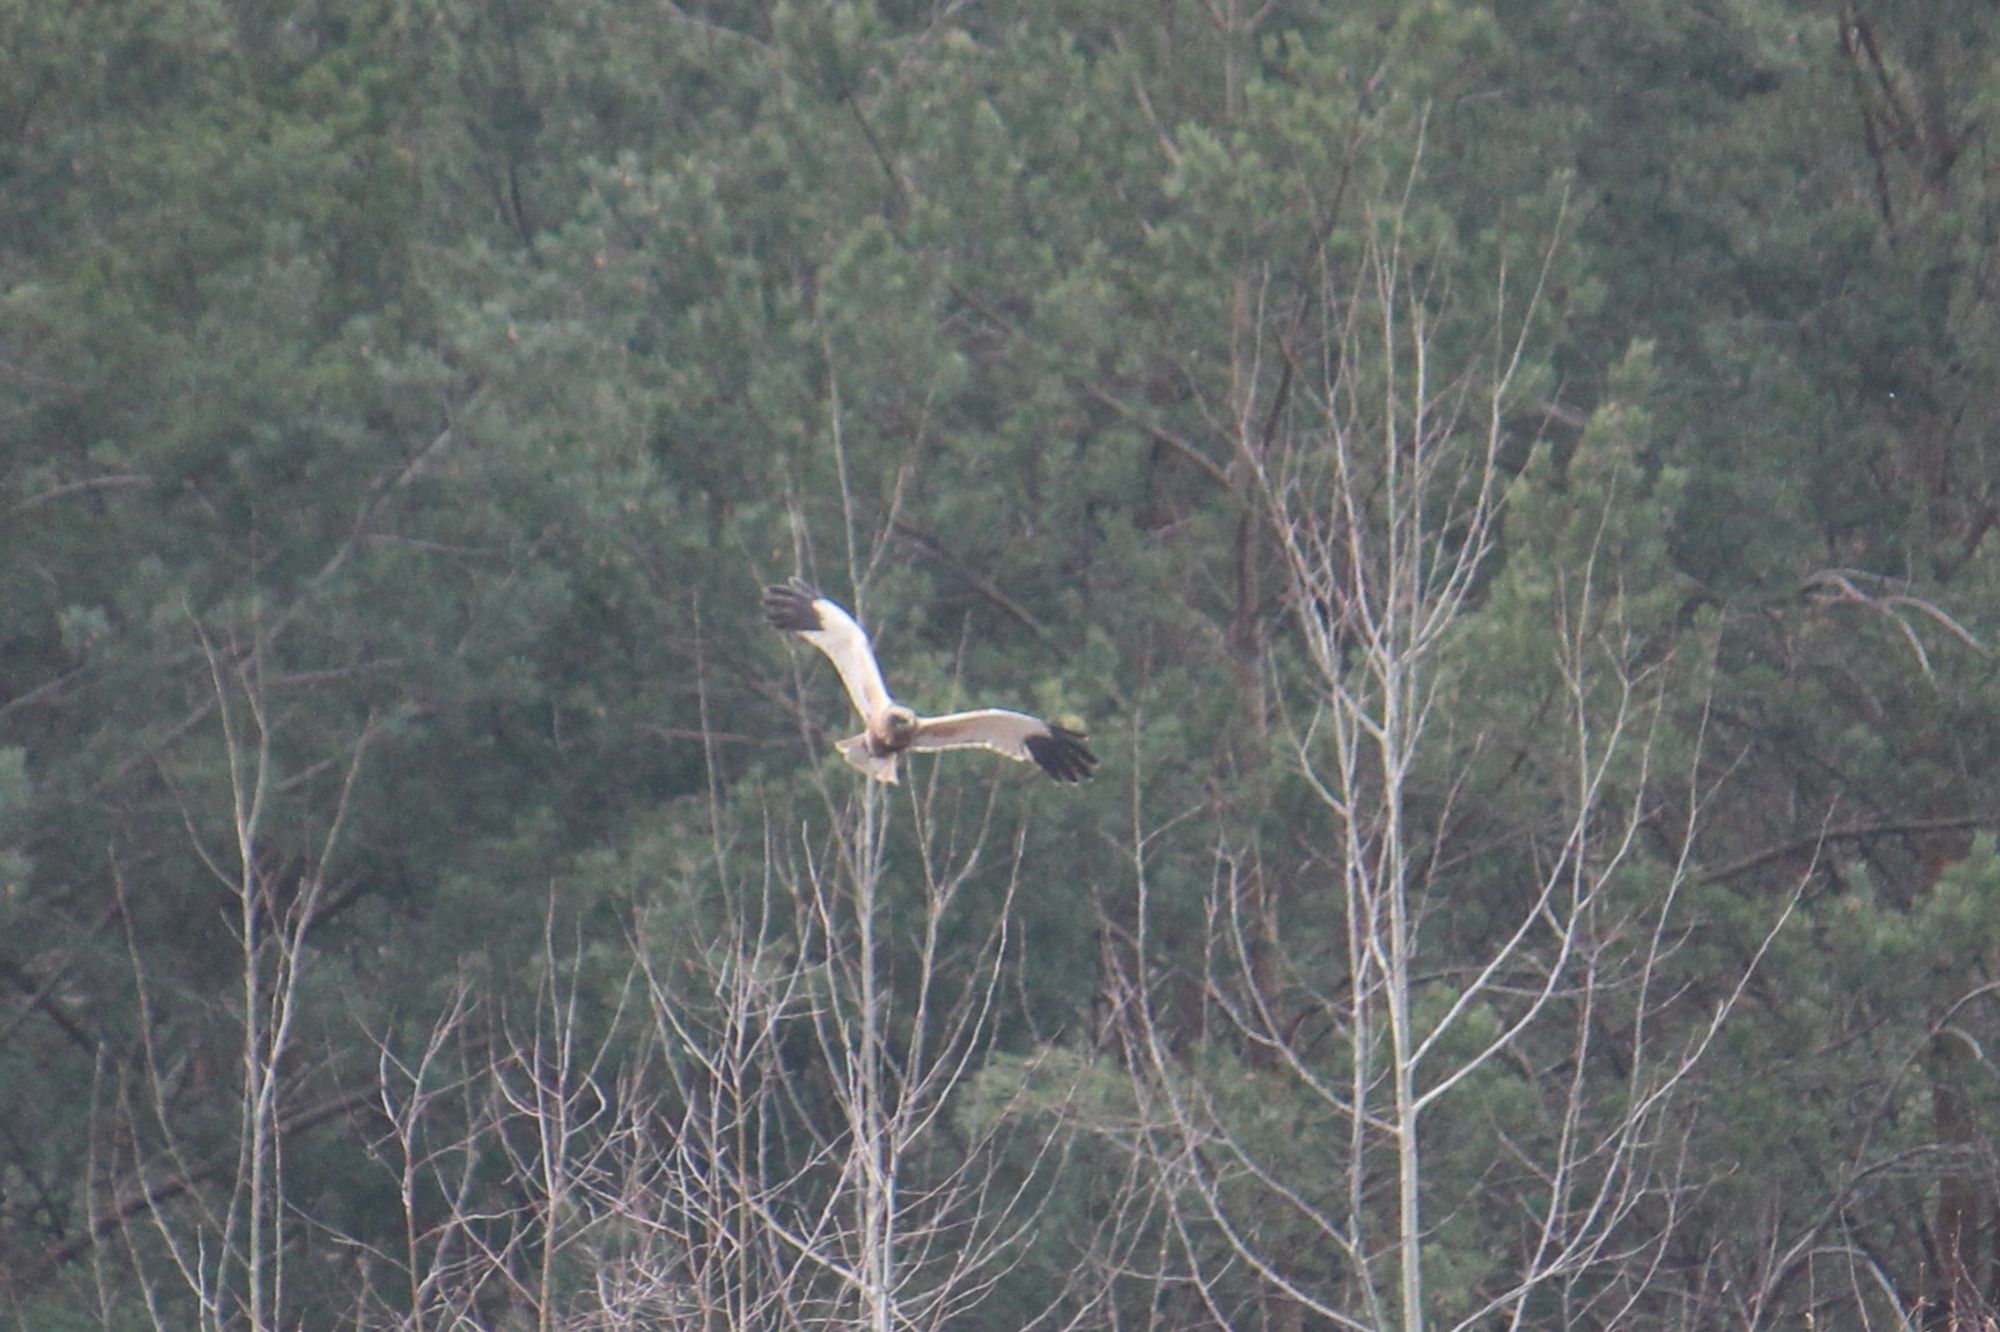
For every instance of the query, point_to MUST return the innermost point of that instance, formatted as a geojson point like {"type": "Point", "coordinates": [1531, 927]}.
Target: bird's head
{"type": "Point", "coordinates": [899, 726]}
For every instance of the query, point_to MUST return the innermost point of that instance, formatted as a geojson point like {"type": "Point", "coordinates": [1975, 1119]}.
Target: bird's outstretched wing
{"type": "Point", "coordinates": [799, 608]}
{"type": "Point", "coordinates": [1058, 751]}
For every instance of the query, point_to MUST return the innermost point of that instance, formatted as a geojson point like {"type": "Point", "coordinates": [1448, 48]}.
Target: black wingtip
{"type": "Point", "coordinates": [790, 607]}
{"type": "Point", "coordinates": [1062, 754]}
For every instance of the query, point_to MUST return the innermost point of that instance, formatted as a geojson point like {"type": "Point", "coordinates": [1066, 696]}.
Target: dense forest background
{"type": "Point", "coordinates": [1510, 489]}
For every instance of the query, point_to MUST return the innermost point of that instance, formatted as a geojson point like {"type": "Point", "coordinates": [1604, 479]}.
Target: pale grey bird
{"type": "Point", "coordinates": [892, 728]}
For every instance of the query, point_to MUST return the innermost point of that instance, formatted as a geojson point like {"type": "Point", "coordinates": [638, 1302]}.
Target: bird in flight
{"type": "Point", "coordinates": [892, 728]}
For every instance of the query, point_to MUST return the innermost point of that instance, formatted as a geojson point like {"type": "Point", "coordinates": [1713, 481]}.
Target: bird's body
{"type": "Point", "coordinates": [892, 728]}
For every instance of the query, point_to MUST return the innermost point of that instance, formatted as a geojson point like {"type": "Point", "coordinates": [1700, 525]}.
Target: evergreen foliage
{"type": "Point", "coordinates": [401, 404]}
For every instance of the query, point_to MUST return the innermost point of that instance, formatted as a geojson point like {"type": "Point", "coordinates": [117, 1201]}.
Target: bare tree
{"type": "Point", "coordinates": [813, 1169]}
{"type": "Point", "coordinates": [213, 1222]}
{"type": "Point", "coordinates": [1331, 1118]}
{"type": "Point", "coordinates": [499, 1130]}
{"type": "Point", "coordinates": [774, 1142]}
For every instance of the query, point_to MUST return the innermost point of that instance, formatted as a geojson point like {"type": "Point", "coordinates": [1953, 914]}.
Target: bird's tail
{"type": "Point", "coordinates": [882, 768]}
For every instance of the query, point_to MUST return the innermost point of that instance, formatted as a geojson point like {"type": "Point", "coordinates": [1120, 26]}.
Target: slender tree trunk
{"type": "Point", "coordinates": [1402, 1040]}
{"type": "Point", "coordinates": [878, 1191]}
{"type": "Point", "coordinates": [1958, 1222]}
